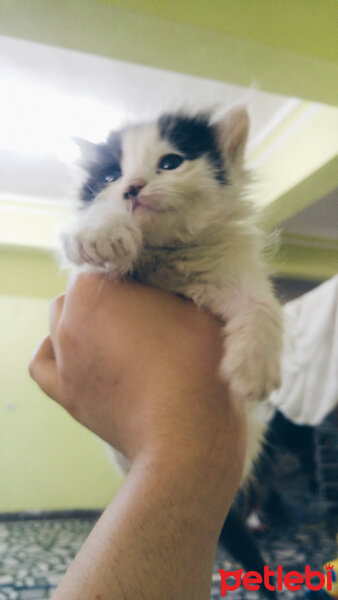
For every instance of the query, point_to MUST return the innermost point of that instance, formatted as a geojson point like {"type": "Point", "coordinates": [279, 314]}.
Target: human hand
{"type": "Point", "coordinates": [135, 365]}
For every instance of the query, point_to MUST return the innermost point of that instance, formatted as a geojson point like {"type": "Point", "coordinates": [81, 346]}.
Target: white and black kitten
{"type": "Point", "coordinates": [163, 203]}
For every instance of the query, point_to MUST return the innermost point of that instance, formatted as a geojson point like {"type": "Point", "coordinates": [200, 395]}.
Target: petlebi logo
{"type": "Point", "coordinates": [292, 580]}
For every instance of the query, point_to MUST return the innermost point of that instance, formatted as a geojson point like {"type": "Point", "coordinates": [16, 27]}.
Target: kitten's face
{"type": "Point", "coordinates": [169, 174]}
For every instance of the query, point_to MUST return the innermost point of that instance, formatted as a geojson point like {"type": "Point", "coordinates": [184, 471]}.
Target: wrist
{"type": "Point", "coordinates": [191, 472]}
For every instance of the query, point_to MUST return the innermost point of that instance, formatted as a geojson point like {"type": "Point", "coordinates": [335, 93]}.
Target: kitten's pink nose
{"type": "Point", "coordinates": [134, 188]}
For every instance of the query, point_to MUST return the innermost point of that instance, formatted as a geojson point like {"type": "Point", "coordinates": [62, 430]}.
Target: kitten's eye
{"type": "Point", "coordinates": [169, 162]}
{"type": "Point", "coordinates": [111, 176]}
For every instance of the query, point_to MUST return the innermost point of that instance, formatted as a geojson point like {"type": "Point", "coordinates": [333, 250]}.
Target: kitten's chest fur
{"type": "Point", "coordinates": [188, 270]}
{"type": "Point", "coordinates": [202, 268]}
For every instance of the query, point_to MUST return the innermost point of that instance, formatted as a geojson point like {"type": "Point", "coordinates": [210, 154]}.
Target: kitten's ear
{"type": "Point", "coordinates": [89, 151]}
{"type": "Point", "coordinates": [233, 130]}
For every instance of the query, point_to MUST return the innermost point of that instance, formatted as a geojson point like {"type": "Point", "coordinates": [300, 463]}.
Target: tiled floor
{"type": "Point", "coordinates": [35, 553]}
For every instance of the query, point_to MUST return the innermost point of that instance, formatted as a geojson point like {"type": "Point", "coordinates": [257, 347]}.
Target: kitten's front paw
{"type": "Point", "coordinates": [115, 249]}
{"type": "Point", "coordinates": [252, 371]}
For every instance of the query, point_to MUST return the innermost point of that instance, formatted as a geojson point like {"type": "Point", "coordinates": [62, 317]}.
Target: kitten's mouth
{"type": "Point", "coordinates": [141, 205]}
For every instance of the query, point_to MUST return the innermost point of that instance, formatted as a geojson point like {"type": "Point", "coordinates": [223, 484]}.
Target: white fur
{"type": "Point", "coordinates": [200, 241]}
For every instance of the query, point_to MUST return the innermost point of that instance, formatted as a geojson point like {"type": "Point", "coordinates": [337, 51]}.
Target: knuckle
{"type": "Point", "coordinates": [32, 368]}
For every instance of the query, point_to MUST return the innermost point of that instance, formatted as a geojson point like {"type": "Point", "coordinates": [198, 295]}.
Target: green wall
{"type": "Point", "coordinates": [48, 461]}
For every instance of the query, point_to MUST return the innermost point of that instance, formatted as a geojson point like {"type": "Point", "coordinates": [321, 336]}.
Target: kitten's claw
{"type": "Point", "coordinates": [251, 375]}
{"type": "Point", "coordinates": [115, 249]}
{"type": "Point", "coordinates": [251, 363]}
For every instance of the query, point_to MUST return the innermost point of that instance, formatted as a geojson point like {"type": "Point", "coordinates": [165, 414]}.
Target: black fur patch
{"type": "Point", "coordinates": [103, 163]}
{"type": "Point", "coordinates": [193, 137]}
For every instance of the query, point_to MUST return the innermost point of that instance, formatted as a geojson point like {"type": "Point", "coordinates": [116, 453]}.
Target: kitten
{"type": "Point", "coordinates": [163, 202]}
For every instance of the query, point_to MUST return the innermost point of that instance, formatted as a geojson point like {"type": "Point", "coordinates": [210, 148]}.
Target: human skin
{"type": "Point", "coordinates": [138, 367]}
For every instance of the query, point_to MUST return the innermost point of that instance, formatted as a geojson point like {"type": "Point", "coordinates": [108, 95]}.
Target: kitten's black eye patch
{"type": "Point", "coordinates": [98, 180]}
{"type": "Point", "coordinates": [112, 175]}
{"type": "Point", "coordinates": [169, 162]}
{"type": "Point", "coordinates": [194, 137]}
{"type": "Point", "coordinates": [103, 167]}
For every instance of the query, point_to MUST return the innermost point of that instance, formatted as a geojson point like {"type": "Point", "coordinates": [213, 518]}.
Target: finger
{"type": "Point", "coordinates": [55, 313]}
{"type": "Point", "coordinates": [44, 350]}
{"type": "Point", "coordinates": [42, 368]}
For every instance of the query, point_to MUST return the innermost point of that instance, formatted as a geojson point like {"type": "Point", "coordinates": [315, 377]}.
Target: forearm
{"type": "Point", "coordinates": [139, 368]}
{"type": "Point", "coordinates": [158, 537]}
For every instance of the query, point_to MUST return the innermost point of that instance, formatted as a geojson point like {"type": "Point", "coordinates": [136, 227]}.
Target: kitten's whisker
{"type": "Point", "coordinates": [130, 202]}
{"type": "Point", "coordinates": [91, 190]}
{"type": "Point", "coordinates": [129, 198]}
{"type": "Point", "coordinates": [101, 284]}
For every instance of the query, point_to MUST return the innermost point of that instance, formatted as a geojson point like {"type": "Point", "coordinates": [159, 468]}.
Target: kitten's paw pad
{"type": "Point", "coordinates": [251, 374]}
{"type": "Point", "coordinates": [115, 250]}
